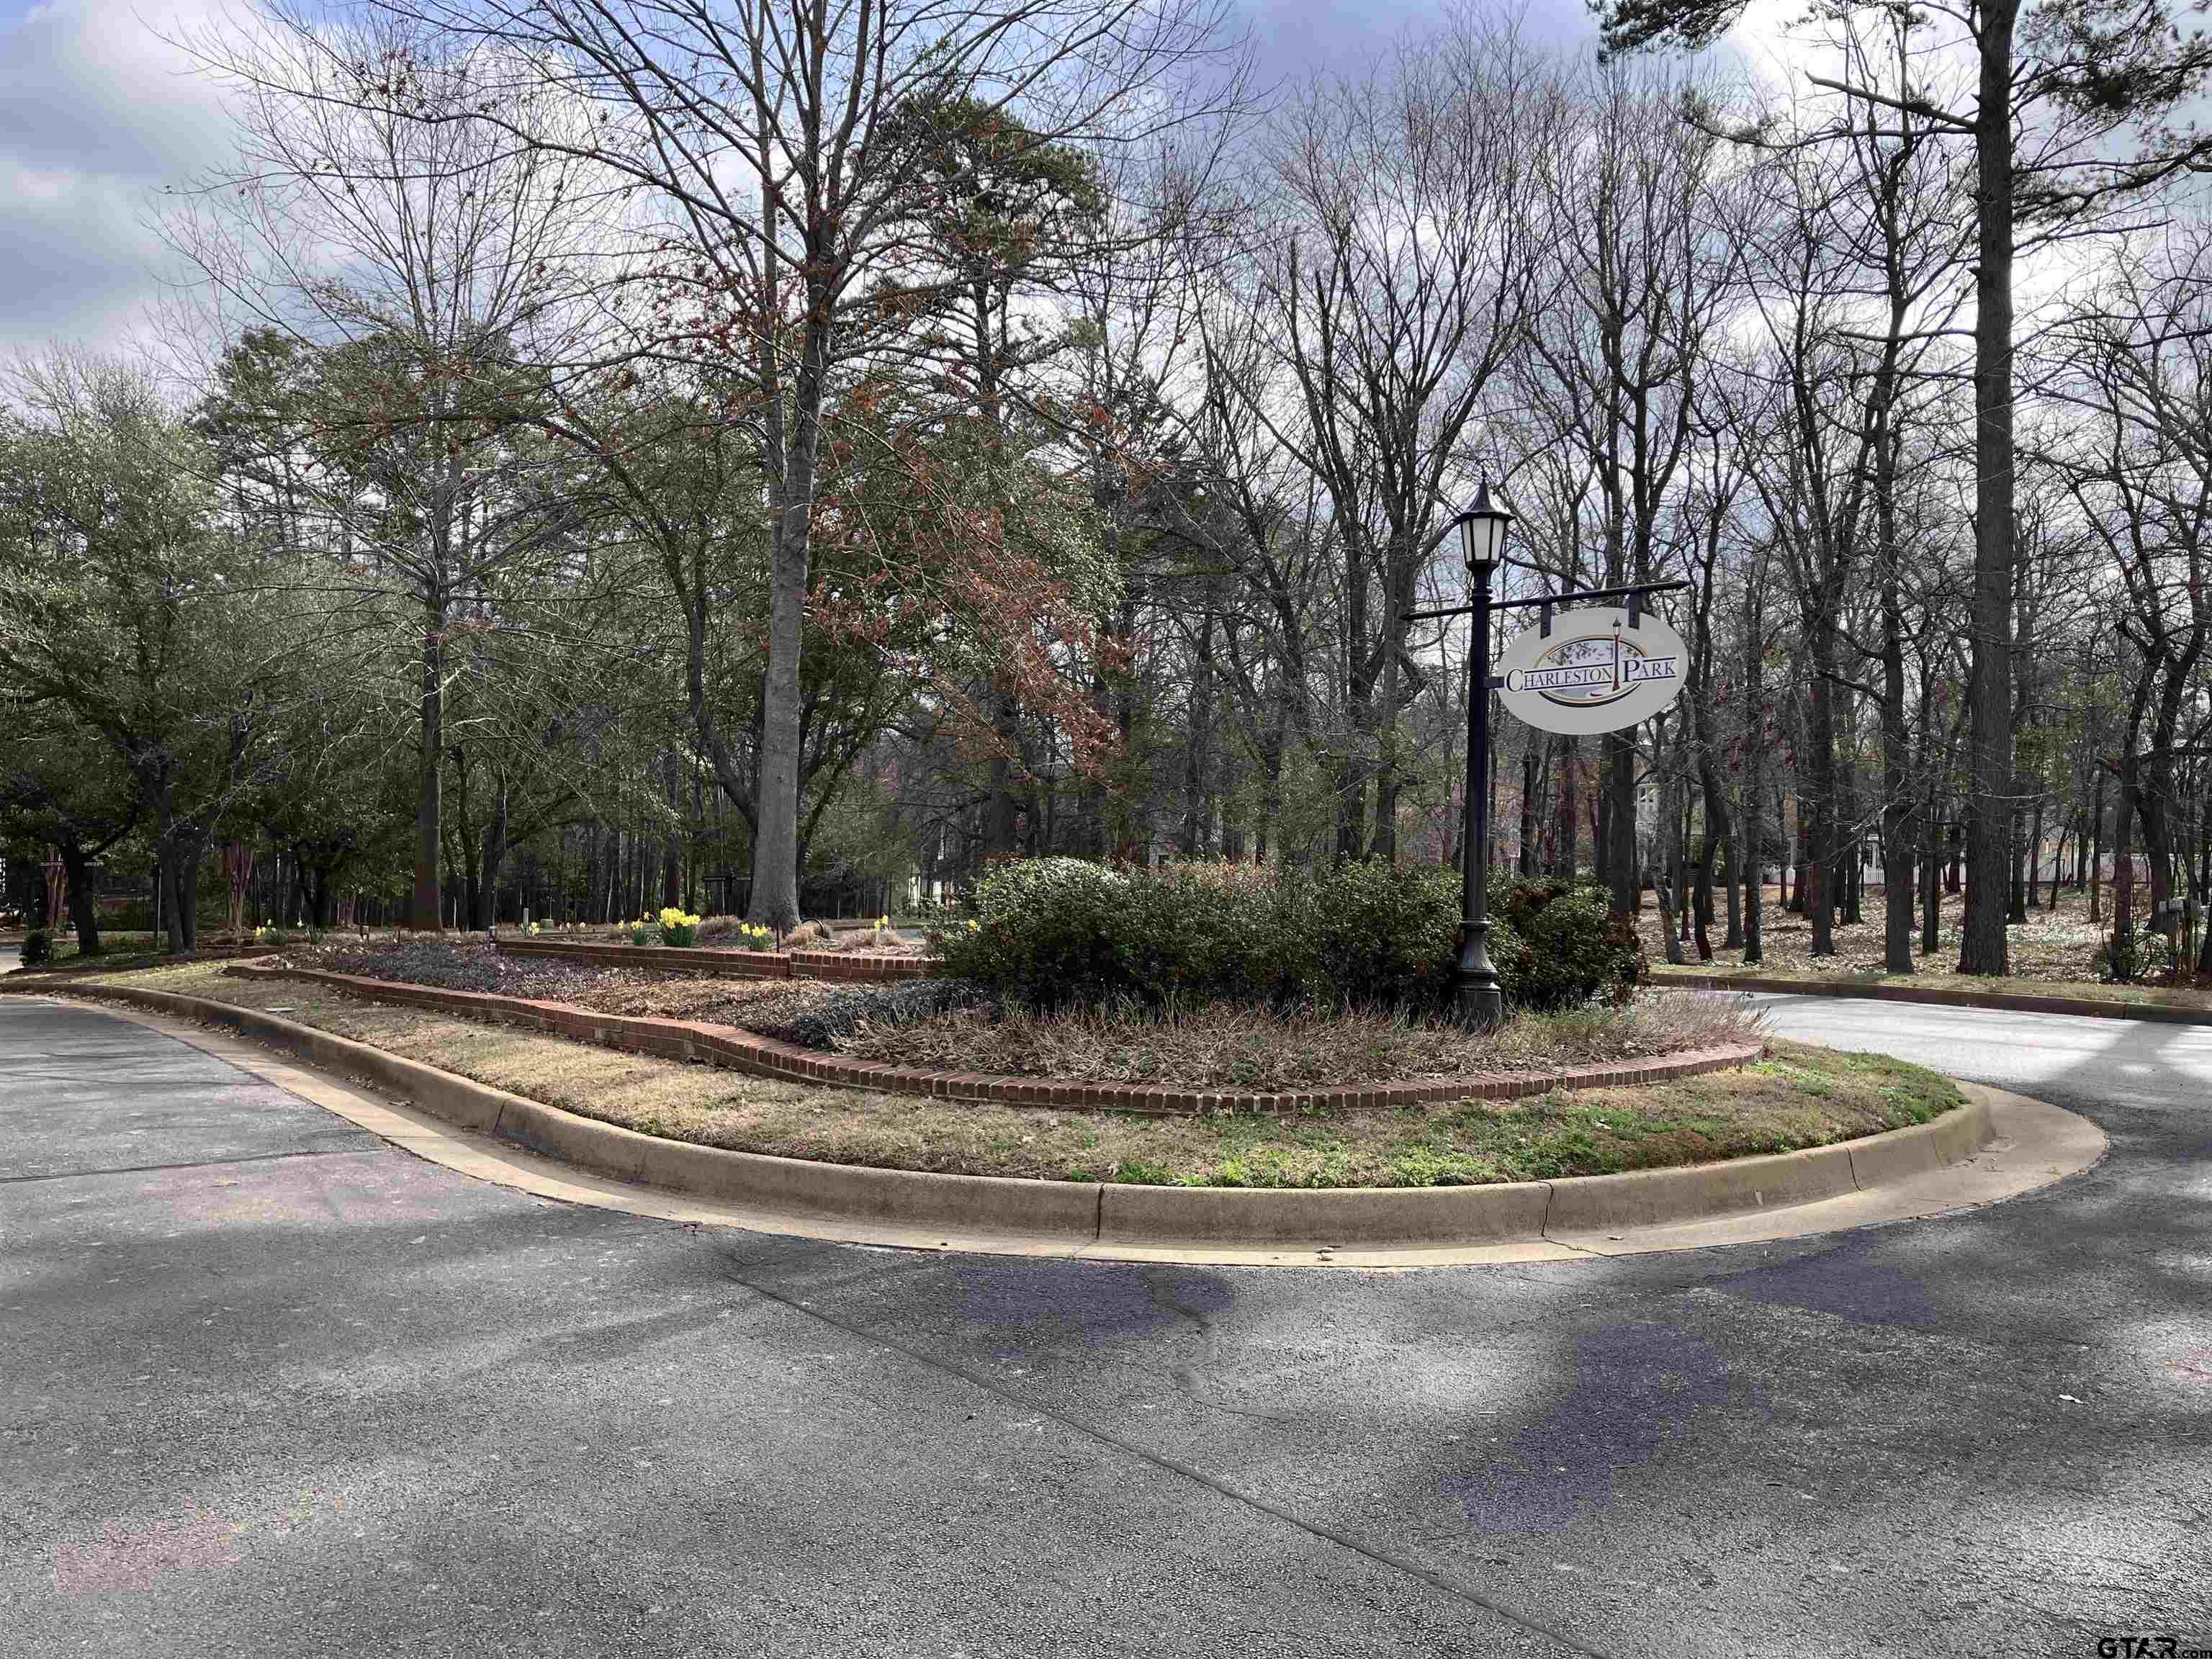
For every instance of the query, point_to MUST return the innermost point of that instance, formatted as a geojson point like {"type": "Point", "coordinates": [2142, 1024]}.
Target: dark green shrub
{"type": "Point", "coordinates": [1566, 946]}
{"type": "Point", "coordinates": [1053, 932]}
{"type": "Point", "coordinates": [1207, 932]}
{"type": "Point", "coordinates": [1380, 937]}
{"type": "Point", "coordinates": [1047, 930]}
{"type": "Point", "coordinates": [38, 947]}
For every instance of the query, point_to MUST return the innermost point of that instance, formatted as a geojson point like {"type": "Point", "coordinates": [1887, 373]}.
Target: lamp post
{"type": "Point", "coordinates": [1482, 530]}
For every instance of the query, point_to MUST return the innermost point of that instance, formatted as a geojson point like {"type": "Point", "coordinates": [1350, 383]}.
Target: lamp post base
{"type": "Point", "coordinates": [1481, 1004]}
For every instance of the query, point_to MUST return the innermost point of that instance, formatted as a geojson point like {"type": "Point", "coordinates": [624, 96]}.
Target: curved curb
{"type": "Point", "coordinates": [1106, 1218]}
{"type": "Point", "coordinates": [743, 1050]}
{"type": "Point", "coordinates": [1934, 996]}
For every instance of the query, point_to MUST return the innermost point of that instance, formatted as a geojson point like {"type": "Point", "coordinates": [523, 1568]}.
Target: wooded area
{"type": "Point", "coordinates": [780, 457]}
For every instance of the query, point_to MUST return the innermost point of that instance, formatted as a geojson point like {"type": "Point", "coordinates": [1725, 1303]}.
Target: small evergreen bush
{"type": "Point", "coordinates": [1564, 943]}
{"type": "Point", "coordinates": [37, 948]}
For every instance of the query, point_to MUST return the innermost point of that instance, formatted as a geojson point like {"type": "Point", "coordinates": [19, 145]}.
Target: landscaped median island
{"type": "Point", "coordinates": [1195, 1051]}
{"type": "Point", "coordinates": [1797, 1097]}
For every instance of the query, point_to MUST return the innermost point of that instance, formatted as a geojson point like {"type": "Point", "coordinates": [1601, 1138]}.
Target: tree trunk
{"type": "Point", "coordinates": [1526, 863]}
{"type": "Point", "coordinates": [1899, 835]}
{"type": "Point", "coordinates": [1734, 888]}
{"type": "Point", "coordinates": [2097, 847]}
{"type": "Point", "coordinates": [426, 912]}
{"type": "Point", "coordinates": [1931, 898]}
{"type": "Point", "coordinates": [1983, 944]}
{"type": "Point", "coordinates": [77, 868]}
{"type": "Point", "coordinates": [775, 901]}
{"type": "Point", "coordinates": [1817, 810]}
{"type": "Point", "coordinates": [1566, 825]}
{"type": "Point", "coordinates": [1622, 878]}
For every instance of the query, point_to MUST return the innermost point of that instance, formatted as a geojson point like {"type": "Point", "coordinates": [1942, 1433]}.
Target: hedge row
{"type": "Point", "coordinates": [1054, 931]}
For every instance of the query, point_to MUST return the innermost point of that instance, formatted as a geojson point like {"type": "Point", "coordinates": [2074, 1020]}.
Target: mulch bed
{"type": "Point", "coordinates": [762, 1005]}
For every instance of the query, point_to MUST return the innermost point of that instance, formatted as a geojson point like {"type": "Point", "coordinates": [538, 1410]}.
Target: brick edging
{"type": "Point", "coordinates": [868, 967]}
{"type": "Point", "coordinates": [1936, 996]}
{"type": "Point", "coordinates": [742, 1050]}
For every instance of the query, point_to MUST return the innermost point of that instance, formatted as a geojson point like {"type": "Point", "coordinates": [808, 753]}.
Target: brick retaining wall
{"type": "Point", "coordinates": [857, 967]}
{"type": "Point", "coordinates": [741, 1050]}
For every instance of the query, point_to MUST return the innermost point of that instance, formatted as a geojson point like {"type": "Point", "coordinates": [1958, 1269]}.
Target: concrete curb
{"type": "Point", "coordinates": [1114, 1215]}
{"type": "Point", "coordinates": [746, 1051]}
{"type": "Point", "coordinates": [2005, 1002]}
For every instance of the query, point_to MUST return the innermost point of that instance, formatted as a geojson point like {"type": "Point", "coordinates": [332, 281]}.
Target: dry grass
{"type": "Point", "coordinates": [1801, 1097]}
{"type": "Point", "coordinates": [2052, 953]}
{"type": "Point", "coordinates": [1235, 1046]}
{"type": "Point", "coordinates": [1218, 1045]}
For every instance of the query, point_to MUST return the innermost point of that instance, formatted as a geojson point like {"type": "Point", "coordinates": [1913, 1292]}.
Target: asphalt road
{"type": "Point", "coordinates": [271, 1388]}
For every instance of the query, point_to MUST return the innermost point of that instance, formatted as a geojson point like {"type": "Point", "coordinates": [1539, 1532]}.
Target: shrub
{"type": "Point", "coordinates": [716, 927]}
{"type": "Point", "coordinates": [678, 929]}
{"type": "Point", "coordinates": [1560, 945]}
{"type": "Point", "coordinates": [2119, 958]}
{"type": "Point", "coordinates": [1378, 937]}
{"type": "Point", "coordinates": [1051, 932]}
{"type": "Point", "coordinates": [38, 947]}
{"type": "Point", "coordinates": [824, 1022]}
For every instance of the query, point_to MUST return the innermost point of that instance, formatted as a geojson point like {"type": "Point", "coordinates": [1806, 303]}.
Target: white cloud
{"type": "Point", "coordinates": [98, 111]}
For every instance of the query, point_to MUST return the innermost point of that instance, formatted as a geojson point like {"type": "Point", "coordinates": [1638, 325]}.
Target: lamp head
{"type": "Point", "coordinates": [1482, 530]}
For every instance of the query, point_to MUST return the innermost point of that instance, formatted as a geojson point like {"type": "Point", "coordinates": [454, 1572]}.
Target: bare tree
{"type": "Point", "coordinates": [1640, 274]}
{"type": "Point", "coordinates": [414, 249]}
{"type": "Point", "coordinates": [1393, 284]}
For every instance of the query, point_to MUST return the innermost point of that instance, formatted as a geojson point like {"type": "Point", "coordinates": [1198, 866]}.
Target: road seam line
{"type": "Point", "coordinates": [196, 1164]}
{"type": "Point", "coordinates": [1429, 1576]}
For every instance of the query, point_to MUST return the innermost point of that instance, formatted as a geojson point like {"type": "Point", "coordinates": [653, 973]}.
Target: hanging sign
{"type": "Point", "coordinates": [1592, 672]}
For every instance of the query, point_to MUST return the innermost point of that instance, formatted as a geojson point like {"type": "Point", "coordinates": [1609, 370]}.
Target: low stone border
{"type": "Point", "coordinates": [857, 966]}
{"type": "Point", "coordinates": [1110, 1214]}
{"type": "Point", "coordinates": [1937, 996]}
{"type": "Point", "coordinates": [743, 1050]}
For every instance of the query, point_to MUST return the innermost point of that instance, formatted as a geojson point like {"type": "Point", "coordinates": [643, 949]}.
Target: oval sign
{"type": "Point", "coordinates": [1593, 673]}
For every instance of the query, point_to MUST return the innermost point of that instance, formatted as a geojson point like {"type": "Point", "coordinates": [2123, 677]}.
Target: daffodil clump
{"type": "Point", "coordinates": [678, 928]}
{"type": "Point", "coordinates": [755, 937]}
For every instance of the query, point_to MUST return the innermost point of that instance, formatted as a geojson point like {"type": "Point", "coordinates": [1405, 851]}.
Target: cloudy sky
{"type": "Point", "coordinates": [98, 112]}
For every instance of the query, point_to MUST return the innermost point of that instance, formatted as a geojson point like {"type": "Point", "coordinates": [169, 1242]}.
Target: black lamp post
{"type": "Point", "coordinates": [1482, 530]}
